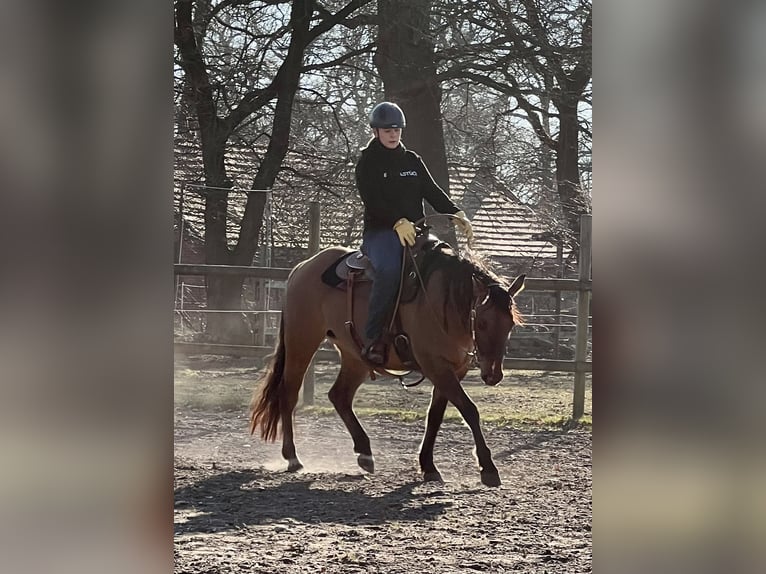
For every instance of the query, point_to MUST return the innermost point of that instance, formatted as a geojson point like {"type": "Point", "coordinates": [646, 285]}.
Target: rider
{"type": "Point", "coordinates": [393, 182]}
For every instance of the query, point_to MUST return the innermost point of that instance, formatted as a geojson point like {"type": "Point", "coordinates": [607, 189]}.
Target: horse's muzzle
{"type": "Point", "coordinates": [492, 375]}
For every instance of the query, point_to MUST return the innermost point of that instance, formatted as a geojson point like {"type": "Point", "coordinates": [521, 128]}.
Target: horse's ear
{"type": "Point", "coordinates": [517, 286]}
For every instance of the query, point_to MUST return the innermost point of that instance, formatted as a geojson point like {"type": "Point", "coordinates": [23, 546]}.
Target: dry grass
{"type": "Point", "coordinates": [524, 398]}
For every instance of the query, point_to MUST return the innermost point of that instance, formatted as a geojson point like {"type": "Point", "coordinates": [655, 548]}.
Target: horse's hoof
{"type": "Point", "coordinates": [490, 478]}
{"type": "Point", "coordinates": [366, 462]}
{"type": "Point", "coordinates": [432, 476]}
{"type": "Point", "coordinates": [294, 465]}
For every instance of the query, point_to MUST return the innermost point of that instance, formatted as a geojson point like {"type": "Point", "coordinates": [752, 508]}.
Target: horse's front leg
{"type": "Point", "coordinates": [433, 422]}
{"type": "Point", "coordinates": [449, 386]}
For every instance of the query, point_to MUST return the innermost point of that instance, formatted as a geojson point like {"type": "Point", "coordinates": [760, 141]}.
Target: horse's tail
{"type": "Point", "coordinates": [264, 407]}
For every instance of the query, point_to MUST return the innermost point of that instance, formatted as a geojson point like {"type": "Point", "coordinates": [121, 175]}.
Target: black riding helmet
{"type": "Point", "coordinates": [387, 115]}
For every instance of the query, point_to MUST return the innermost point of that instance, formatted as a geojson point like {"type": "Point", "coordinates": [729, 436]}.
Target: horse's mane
{"type": "Point", "coordinates": [458, 290]}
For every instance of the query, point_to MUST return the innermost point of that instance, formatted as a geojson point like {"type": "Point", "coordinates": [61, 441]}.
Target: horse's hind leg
{"type": "Point", "coordinates": [297, 360]}
{"type": "Point", "coordinates": [433, 422]}
{"type": "Point", "coordinates": [352, 374]}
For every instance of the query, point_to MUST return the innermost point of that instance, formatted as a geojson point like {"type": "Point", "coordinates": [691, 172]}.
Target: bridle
{"type": "Point", "coordinates": [475, 357]}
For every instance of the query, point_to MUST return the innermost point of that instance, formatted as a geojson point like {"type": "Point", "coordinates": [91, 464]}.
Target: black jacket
{"type": "Point", "coordinates": [393, 184]}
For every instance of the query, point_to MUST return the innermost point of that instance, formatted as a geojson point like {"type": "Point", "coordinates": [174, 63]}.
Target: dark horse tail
{"type": "Point", "coordinates": [264, 407]}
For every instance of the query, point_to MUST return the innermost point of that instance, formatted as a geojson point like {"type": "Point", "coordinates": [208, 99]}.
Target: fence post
{"type": "Point", "coordinates": [262, 304]}
{"type": "Point", "coordinates": [308, 379]}
{"type": "Point", "coordinates": [557, 295]}
{"type": "Point", "coordinates": [583, 307]}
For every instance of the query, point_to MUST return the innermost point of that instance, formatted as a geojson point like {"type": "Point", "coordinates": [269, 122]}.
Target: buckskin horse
{"type": "Point", "coordinates": [461, 311]}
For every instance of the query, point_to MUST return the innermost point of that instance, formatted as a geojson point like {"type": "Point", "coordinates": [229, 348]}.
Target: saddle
{"type": "Point", "coordinates": [357, 265]}
{"type": "Point", "coordinates": [354, 267]}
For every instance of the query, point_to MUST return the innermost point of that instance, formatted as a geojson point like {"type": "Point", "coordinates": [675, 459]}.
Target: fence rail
{"type": "Point", "coordinates": [278, 273]}
{"type": "Point", "coordinates": [331, 355]}
{"type": "Point", "coordinates": [281, 273]}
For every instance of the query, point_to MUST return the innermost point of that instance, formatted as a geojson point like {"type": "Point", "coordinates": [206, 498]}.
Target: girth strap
{"type": "Point", "coordinates": [350, 309]}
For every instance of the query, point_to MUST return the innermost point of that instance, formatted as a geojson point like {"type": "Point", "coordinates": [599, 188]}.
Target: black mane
{"type": "Point", "coordinates": [458, 291]}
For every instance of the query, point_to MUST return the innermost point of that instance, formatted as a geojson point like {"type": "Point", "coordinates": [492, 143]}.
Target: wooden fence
{"type": "Point", "coordinates": [582, 285]}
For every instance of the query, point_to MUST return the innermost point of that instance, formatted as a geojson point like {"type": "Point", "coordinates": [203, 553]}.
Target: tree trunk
{"type": "Point", "coordinates": [405, 61]}
{"type": "Point", "coordinates": [568, 168]}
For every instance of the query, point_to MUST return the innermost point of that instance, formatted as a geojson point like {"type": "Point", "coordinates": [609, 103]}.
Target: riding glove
{"type": "Point", "coordinates": [465, 225]}
{"type": "Point", "coordinates": [406, 231]}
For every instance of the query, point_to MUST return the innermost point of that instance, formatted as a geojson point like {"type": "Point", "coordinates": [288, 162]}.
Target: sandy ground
{"type": "Point", "coordinates": [236, 510]}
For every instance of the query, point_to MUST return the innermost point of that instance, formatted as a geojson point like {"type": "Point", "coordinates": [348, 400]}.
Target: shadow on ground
{"type": "Point", "coordinates": [239, 498]}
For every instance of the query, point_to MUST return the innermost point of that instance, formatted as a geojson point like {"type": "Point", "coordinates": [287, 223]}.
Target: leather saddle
{"type": "Point", "coordinates": [356, 266]}
{"type": "Point", "coordinates": [356, 263]}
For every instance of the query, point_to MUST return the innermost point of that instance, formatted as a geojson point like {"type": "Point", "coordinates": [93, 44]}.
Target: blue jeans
{"type": "Point", "coordinates": [383, 249]}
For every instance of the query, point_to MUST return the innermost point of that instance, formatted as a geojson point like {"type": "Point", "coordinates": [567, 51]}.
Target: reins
{"type": "Point", "coordinates": [473, 351]}
{"type": "Point", "coordinates": [393, 316]}
{"type": "Point", "coordinates": [408, 249]}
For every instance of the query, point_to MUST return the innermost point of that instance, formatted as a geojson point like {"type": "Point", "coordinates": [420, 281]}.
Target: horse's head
{"type": "Point", "coordinates": [495, 316]}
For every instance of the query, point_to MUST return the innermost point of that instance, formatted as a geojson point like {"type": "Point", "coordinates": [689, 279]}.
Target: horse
{"type": "Point", "coordinates": [462, 312]}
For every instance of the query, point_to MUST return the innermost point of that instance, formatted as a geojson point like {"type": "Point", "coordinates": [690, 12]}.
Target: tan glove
{"type": "Point", "coordinates": [406, 231]}
{"type": "Point", "coordinates": [465, 226]}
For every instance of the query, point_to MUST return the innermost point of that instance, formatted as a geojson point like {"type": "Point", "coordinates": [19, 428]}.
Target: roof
{"type": "Point", "coordinates": [504, 227]}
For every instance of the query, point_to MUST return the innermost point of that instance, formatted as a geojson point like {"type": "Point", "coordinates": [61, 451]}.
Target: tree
{"type": "Point", "coordinates": [496, 85]}
{"type": "Point", "coordinates": [222, 102]}
{"type": "Point", "coordinates": [538, 53]}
